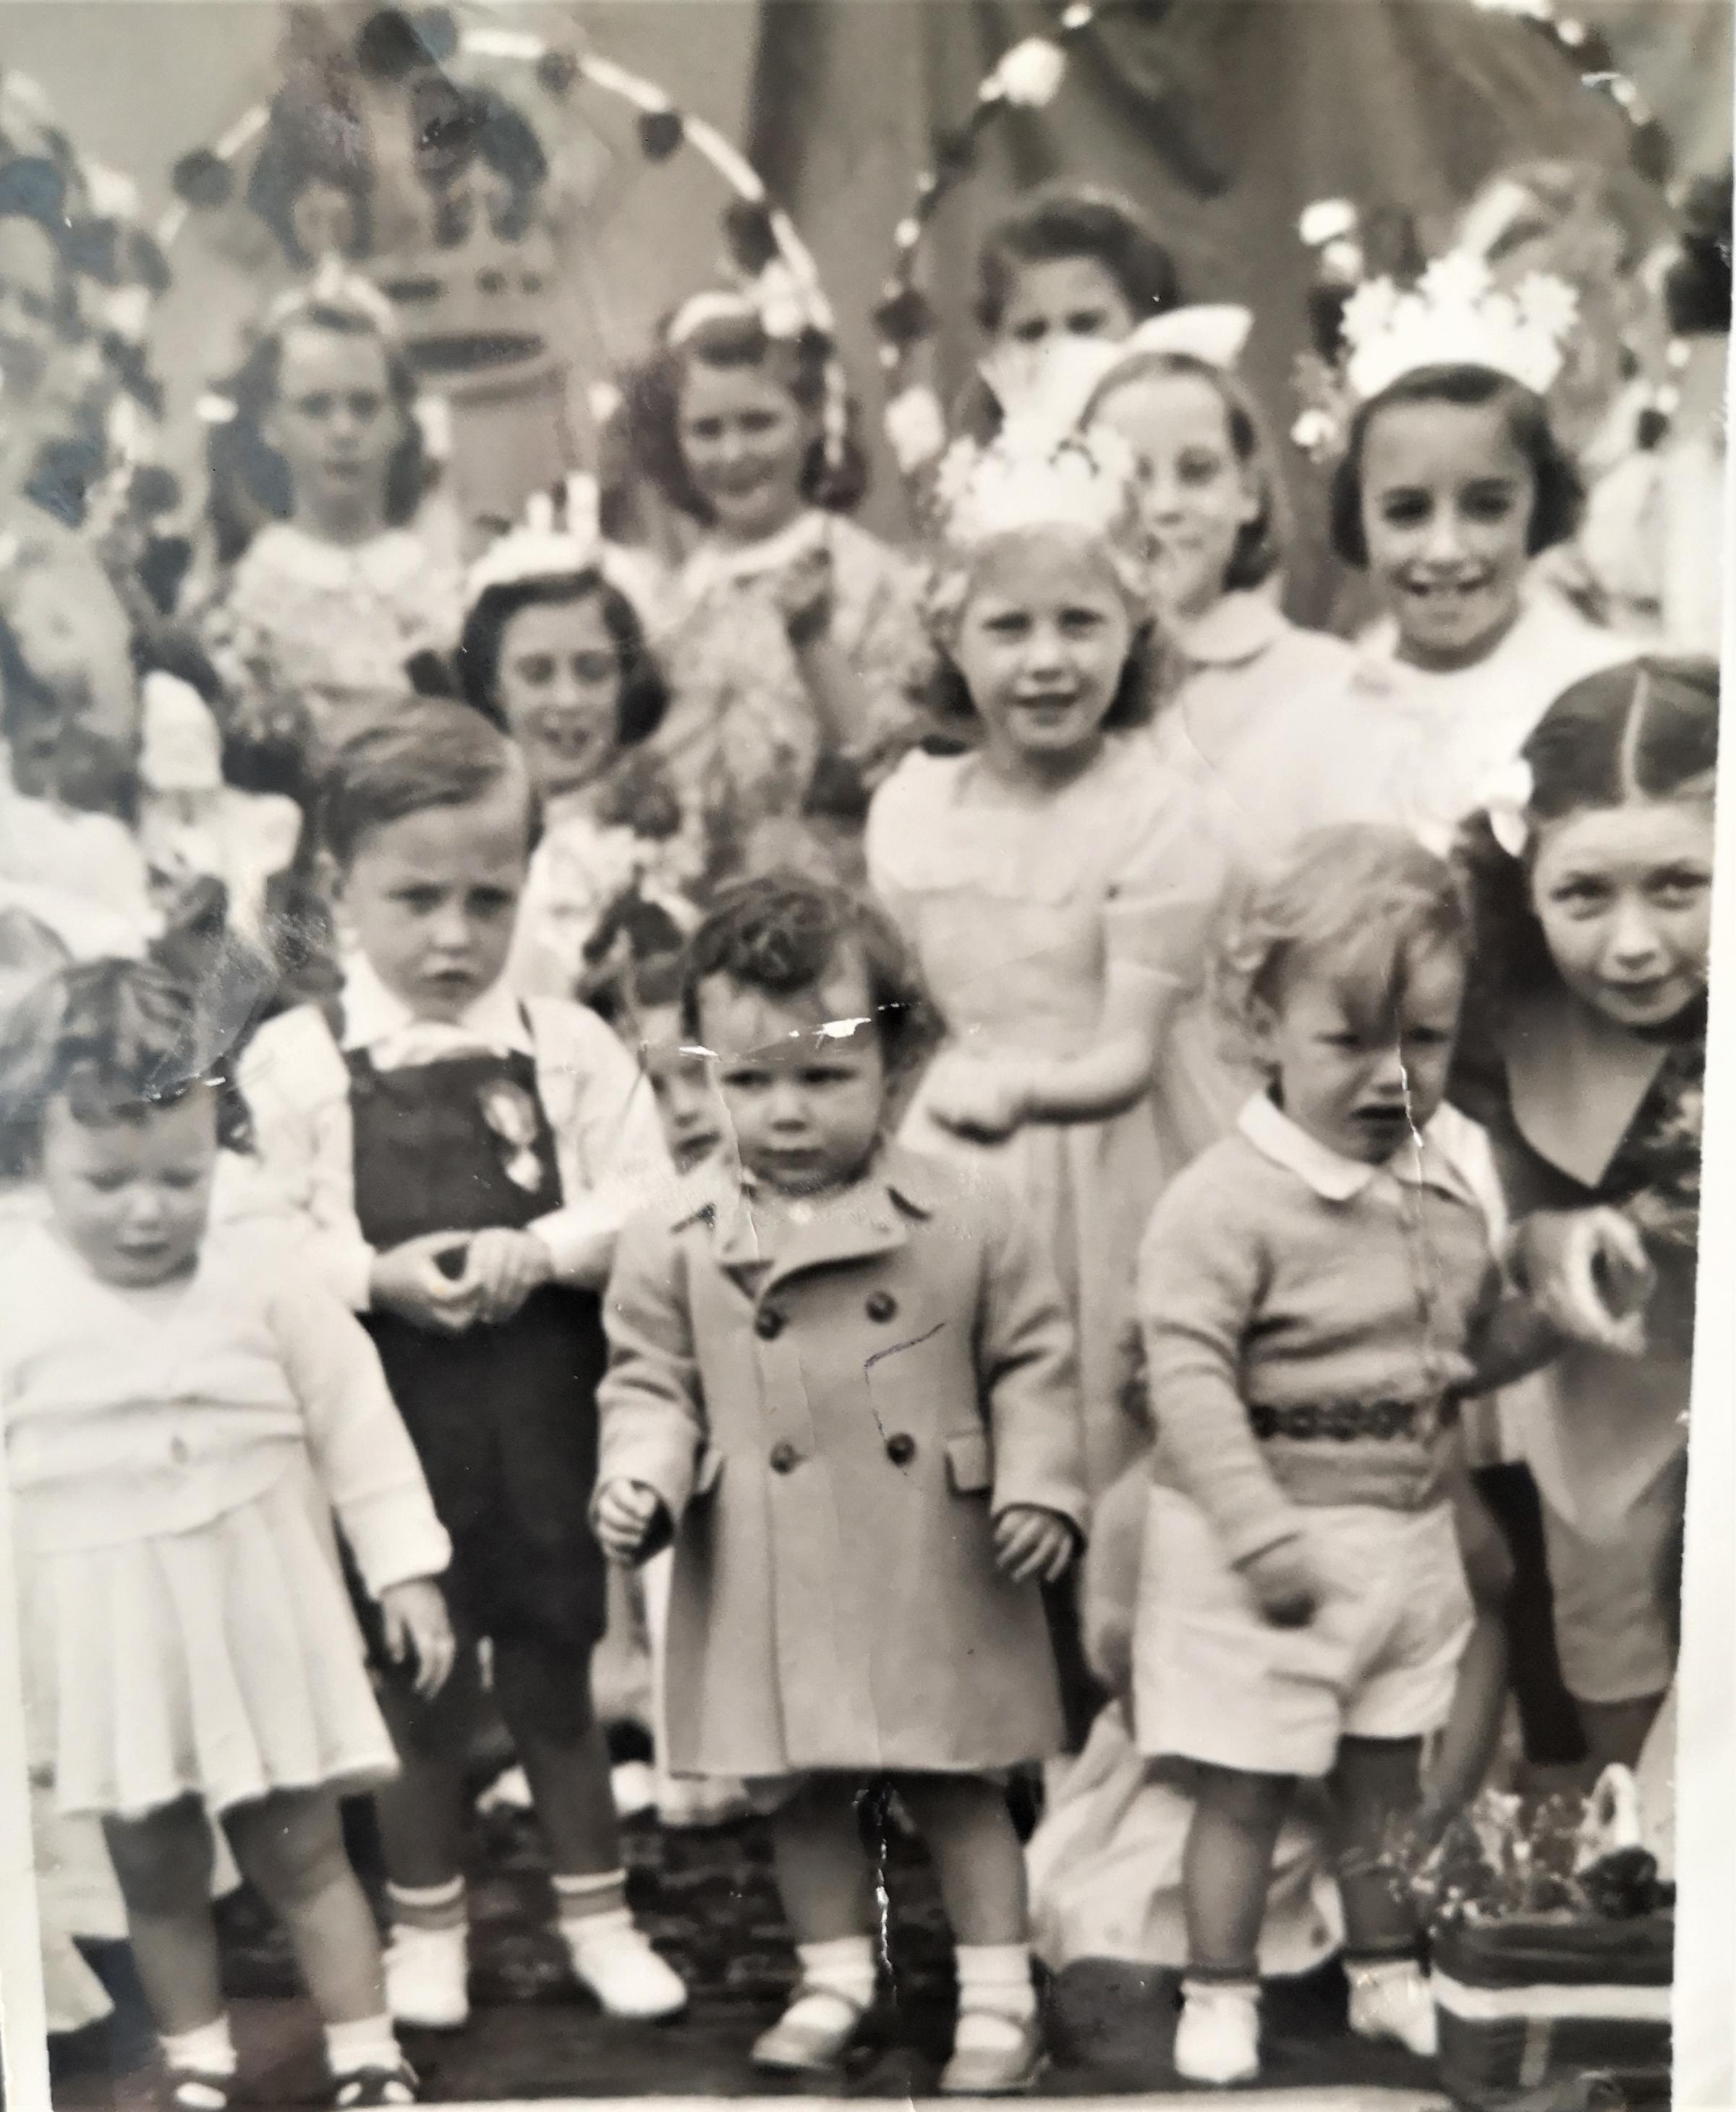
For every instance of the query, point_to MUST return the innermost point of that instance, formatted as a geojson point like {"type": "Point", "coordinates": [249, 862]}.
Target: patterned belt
{"type": "Point", "coordinates": [1346, 1420]}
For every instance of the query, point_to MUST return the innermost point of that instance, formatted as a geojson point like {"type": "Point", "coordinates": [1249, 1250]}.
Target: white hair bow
{"type": "Point", "coordinates": [1215, 333]}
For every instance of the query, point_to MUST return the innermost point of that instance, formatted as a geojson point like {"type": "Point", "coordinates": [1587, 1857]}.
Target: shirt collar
{"type": "Point", "coordinates": [1336, 1179]}
{"type": "Point", "coordinates": [1237, 627]}
{"type": "Point", "coordinates": [374, 1016]}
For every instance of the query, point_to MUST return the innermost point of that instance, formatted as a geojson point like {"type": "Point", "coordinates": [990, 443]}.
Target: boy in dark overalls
{"type": "Point", "coordinates": [463, 1161]}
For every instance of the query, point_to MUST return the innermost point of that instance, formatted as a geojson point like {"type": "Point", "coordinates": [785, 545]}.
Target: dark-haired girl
{"type": "Point", "coordinates": [1451, 483]}
{"type": "Point", "coordinates": [554, 648]}
{"type": "Point", "coordinates": [334, 588]}
{"type": "Point", "coordinates": [182, 1416]}
{"type": "Point", "coordinates": [1586, 1061]}
{"type": "Point", "coordinates": [795, 650]}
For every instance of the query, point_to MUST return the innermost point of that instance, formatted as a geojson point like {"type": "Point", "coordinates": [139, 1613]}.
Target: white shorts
{"type": "Point", "coordinates": [1214, 1682]}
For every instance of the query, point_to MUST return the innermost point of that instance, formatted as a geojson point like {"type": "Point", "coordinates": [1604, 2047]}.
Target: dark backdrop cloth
{"type": "Point", "coordinates": [1222, 118]}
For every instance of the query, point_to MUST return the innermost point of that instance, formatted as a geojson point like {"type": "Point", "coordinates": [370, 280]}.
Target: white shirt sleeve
{"type": "Point", "coordinates": [608, 1140]}
{"type": "Point", "coordinates": [297, 1090]}
{"type": "Point", "coordinates": [362, 1452]}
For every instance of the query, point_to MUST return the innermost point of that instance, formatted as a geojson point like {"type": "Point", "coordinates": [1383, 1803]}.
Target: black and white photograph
{"type": "Point", "coordinates": [857, 908]}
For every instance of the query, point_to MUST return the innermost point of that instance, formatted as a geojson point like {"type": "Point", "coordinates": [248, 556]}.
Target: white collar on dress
{"type": "Point", "coordinates": [385, 562]}
{"type": "Point", "coordinates": [380, 1022]}
{"type": "Point", "coordinates": [715, 564]}
{"type": "Point", "coordinates": [1237, 628]}
{"type": "Point", "coordinates": [1336, 1179]}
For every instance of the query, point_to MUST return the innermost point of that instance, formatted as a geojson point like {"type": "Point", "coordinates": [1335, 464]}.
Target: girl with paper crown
{"type": "Point", "coordinates": [1049, 882]}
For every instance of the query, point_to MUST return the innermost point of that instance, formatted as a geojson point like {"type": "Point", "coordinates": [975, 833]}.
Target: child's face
{"type": "Point", "coordinates": [560, 686]}
{"type": "Point", "coordinates": [1624, 894]}
{"type": "Point", "coordinates": [1198, 496]}
{"type": "Point", "coordinates": [745, 441]}
{"type": "Point", "coordinates": [1447, 498]}
{"type": "Point", "coordinates": [132, 1198]}
{"type": "Point", "coordinates": [30, 273]}
{"type": "Point", "coordinates": [431, 899]}
{"type": "Point", "coordinates": [806, 1105]}
{"type": "Point", "coordinates": [336, 426]}
{"type": "Point", "coordinates": [684, 1086]}
{"type": "Point", "coordinates": [1359, 1089]}
{"type": "Point", "coordinates": [1065, 296]}
{"type": "Point", "coordinates": [1042, 640]}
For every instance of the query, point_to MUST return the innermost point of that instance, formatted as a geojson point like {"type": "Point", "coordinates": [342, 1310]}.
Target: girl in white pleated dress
{"type": "Point", "coordinates": [182, 1417]}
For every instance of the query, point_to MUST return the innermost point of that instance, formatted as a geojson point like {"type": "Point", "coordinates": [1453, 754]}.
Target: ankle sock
{"type": "Point", "coordinates": [430, 1906]}
{"type": "Point", "coordinates": [844, 1966]}
{"type": "Point", "coordinates": [997, 1977]}
{"type": "Point", "coordinates": [208, 2048]}
{"type": "Point", "coordinates": [369, 2042]}
{"type": "Point", "coordinates": [588, 1904]}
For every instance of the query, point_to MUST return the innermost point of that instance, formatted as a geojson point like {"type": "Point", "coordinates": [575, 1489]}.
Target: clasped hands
{"type": "Point", "coordinates": [450, 1281]}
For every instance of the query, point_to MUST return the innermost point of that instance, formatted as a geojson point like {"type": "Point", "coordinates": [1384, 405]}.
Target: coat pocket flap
{"type": "Point", "coordinates": [708, 1472]}
{"type": "Point", "coordinates": [969, 1467]}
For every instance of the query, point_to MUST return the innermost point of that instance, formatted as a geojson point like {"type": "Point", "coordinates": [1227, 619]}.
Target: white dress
{"type": "Point", "coordinates": [1015, 910]}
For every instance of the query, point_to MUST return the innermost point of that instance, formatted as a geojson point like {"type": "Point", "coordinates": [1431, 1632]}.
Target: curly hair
{"type": "Point", "coordinates": [1645, 730]}
{"type": "Point", "coordinates": [644, 697]}
{"type": "Point", "coordinates": [245, 467]}
{"type": "Point", "coordinates": [1258, 548]}
{"type": "Point", "coordinates": [1065, 220]}
{"type": "Point", "coordinates": [1360, 899]}
{"type": "Point", "coordinates": [781, 934]}
{"type": "Point", "coordinates": [424, 752]}
{"type": "Point", "coordinates": [652, 393]}
{"type": "Point", "coordinates": [1559, 498]}
{"type": "Point", "coordinates": [115, 1040]}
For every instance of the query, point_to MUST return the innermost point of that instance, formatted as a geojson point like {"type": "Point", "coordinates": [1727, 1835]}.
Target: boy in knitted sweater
{"type": "Point", "coordinates": [1316, 1292]}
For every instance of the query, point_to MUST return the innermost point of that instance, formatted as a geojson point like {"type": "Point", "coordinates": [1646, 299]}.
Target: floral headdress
{"type": "Point", "coordinates": [559, 536]}
{"type": "Point", "coordinates": [1041, 471]}
{"type": "Point", "coordinates": [1453, 313]}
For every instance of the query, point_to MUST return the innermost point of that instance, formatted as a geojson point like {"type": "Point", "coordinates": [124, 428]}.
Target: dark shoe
{"type": "Point", "coordinates": [375, 2085]}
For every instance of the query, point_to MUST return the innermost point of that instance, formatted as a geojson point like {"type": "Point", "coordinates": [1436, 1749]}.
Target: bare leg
{"type": "Point", "coordinates": [1376, 1789]}
{"type": "Point", "coordinates": [162, 1863]}
{"type": "Point", "coordinates": [564, 1754]}
{"type": "Point", "coordinates": [1472, 1728]}
{"type": "Point", "coordinates": [291, 1845]}
{"type": "Point", "coordinates": [823, 1877]}
{"type": "Point", "coordinates": [1227, 1868]}
{"type": "Point", "coordinates": [421, 1813]}
{"type": "Point", "coordinates": [1617, 1732]}
{"type": "Point", "coordinates": [968, 1832]}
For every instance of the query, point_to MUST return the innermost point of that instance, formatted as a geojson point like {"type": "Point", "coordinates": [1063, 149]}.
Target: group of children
{"type": "Point", "coordinates": [1048, 1024]}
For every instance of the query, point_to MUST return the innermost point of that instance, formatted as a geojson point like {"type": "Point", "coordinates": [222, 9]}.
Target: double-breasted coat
{"type": "Point", "coordinates": [832, 1436]}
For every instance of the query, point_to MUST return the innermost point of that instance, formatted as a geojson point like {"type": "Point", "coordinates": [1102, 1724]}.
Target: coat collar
{"type": "Point", "coordinates": [871, 1218]}
{"type": "Point", "coordinates": [1336, 1179]}
{"type": "Point", "coordinates": [1575, 1081]}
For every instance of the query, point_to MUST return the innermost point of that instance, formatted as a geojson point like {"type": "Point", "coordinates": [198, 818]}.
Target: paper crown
{"type": "Point", "coordinates": [1456, 315]}
{"type": "Point", "coordinates": [1041, 471]}
{"type": "Point", "coordinates": [558, 537]}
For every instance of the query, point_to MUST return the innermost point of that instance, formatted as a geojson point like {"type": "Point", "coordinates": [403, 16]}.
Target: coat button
{"type": "Point", "coordinates": [882, 1306]}
{"type": "Point", "coordinates": [769, 1324]}
{"type": "Point", "coordinates": [784, 1457]}
{"type": "Point", "coordinates": [901, 1449]}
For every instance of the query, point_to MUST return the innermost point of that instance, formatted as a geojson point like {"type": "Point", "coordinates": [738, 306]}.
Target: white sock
{"type": "Point", "coordinates": [208, 2049]}
{"type": "Point", "coordinates": [844, 1967]}
{"type": "Point", "coordinates": [430, 1906]}
{"type": "Point", "coordinates": [996, 1975]}
{"type": "Point", "coordinates": [586, 1904]}
{"type": "Point", "coordinates": [369, 2042]}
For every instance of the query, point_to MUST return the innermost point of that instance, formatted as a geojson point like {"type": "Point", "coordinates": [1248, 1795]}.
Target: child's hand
{"type": "Point", "coordinates": [976, 1096]}
{"type": "Point", "coordinates": [803, 592]}
{"type": "Point", "coordinates": [418, 1632]}
{"type": "Point", "coordinates": [1285, 1583]}
{"type": "Point", "coordinates": [1031, 1543]}
{"type": "Point", "coordinates": [1589, 1274]}
{"type": "Point", "coordinates": [410, 1281]}
{"type": "Point", "coordinates": [626, 1513]}
{"type": "Point", "coordinates": [501, 1270]}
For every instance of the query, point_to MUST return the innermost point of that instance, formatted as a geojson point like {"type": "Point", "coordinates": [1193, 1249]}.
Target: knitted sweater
{"type": "Point", "coordinates": [1276, 1276]}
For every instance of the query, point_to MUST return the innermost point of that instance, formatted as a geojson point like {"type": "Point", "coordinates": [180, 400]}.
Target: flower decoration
{"type": "Point", "coordinates": [1507, 800]}
{"type": "Point", "coordinates": [1029, 76]}
{"type": "Point", "coordinates": [511, 1114]}
{"type": "Point", "coordinates": [1588, 51]}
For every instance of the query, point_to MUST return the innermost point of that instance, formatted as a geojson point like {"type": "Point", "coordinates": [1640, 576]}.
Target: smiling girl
{"type": "Point", "coordinates": [795, 651]}
{"type": "Point", "coordinates": [1049, 883]}
{"type": "Point", "coordinates": [1585, 1059]}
